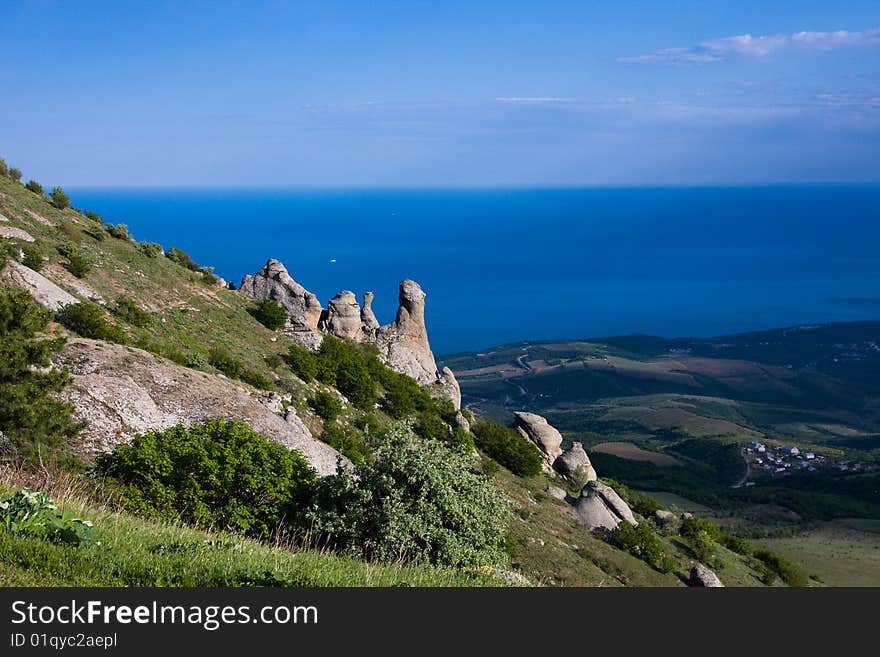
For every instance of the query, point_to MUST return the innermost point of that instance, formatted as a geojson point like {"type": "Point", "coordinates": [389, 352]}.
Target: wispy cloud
{"type": "Point", "coordinates": [530, 100]}
{"type": "Point", "coordinates": [746, 45]}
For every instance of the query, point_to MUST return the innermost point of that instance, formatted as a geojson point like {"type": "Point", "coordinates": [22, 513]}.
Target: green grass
{"type": "Point", "coordinates": [138, 552]}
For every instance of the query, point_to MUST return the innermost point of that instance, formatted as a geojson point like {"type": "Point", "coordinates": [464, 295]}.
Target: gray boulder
{"type": "Point", "coordinates": [535, 428]}
{"type": "Point", "coordinates": [343, 316]}
{"type": "Point", "coordinates": [574, 463]}
{"type": "Point", "coordinates": [11, 232]}
{"type": "Point", "coordinates": [556, 493]}
{"type": "Point", "coordinates": [613, 500]}
{"type": "Point", "coordinates": [593, 512]}
{"type": "Point", "coordinates": [703, 577]}
{"type": "Point", "coordinates": [44, 291]}
{"type": "Point", "coordinates": [461, 421]}
{"type": "Point", "coordinates": [447, 386]}
{"type": "Point", "coordinates": [665, 518]}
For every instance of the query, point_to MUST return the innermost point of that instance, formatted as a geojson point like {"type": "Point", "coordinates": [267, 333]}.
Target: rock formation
{"type": "Point", "coordinates": [11, 232]}
{"type": "Point", "coordinates": [599, 506]}
{"type": "Point", "coordinates": [44, 291]}
{"type": "Point", "coordinates": [122, 391]}
{"type": "Point", "coordinates": [574, 464]}
{"type": "Point", "coordinates": [703, 577]}
{"type": "Point", "coordinates": [402, 344]}
{"type": "Point", "coordinates": [536, 428]}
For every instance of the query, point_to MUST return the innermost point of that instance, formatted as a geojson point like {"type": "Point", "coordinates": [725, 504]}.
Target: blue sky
{"type": "Point", "coordinates": [440, 93]}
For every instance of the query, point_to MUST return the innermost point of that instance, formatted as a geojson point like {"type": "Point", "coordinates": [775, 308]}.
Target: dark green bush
{"type": "Point", "coordinates": [209, 278]}
{"type": "Point", "coordinates": [737, 544]}
{"type": "Point", "coordinates": [508, 448]}
{"type": "Point", "coordinates": [416, 500]}
{"type": "Point", "coordinates": [119, 231]}
{"type": "Point", "coordinates": [59, 199]}
{"type": "Point", "coordinates": [693, 526]}
{"type": "Point", "coordinates": [127, 310]}
{"type": "Point", "coordinates": [181, 258]}
{"type": "Point", "coordinates": [33, 258]}
{"type": "Point", "coordinates": [15, 174]}
{"type": "Point", "coordinates": [4, 169]}
{"type": "Point", "coordinates": [34, 186]}
{"type": "Point", "coordinates": [787, 570]}
{"type": "Point", "coordinates": [87, 319]}
{"type": "Point", "coordinates": [643, 505]}
{"type": "Point", "coordinates": [270, 314]}
{"type": "Point", "coordinates": [37, 426]}
{"type": "Point", "coordinates": [303, 363]}
{"type": "Point", "coordinates": [343, 365]}
{"type": "Point", "coordinates": [326, 405]}
{"type": "Point", "coordinates": [150, 249]}
{"type": "Point", "coordinates": [223, 361]}
{"type": "Point", "coordinates": [78, 263]}
{"type": "Point", "coordinates": [94, 216]}
{"type": "Point", "coordinates": [431, 426]}
{"type": "Point", "coordinates": [348, 441]}
{"type": "Point", "coordinates": [641, 541]}
{"type": "Point", "coordinates": [219, 474]}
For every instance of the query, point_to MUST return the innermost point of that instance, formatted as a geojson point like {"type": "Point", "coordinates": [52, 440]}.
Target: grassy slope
{"type": "Point", "coordinates": [138, 552]}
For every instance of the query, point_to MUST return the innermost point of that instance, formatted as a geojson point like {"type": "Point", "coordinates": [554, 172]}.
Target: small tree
{"type": "Point", "coordinates": [303, 363]}
{"type": "Point", "coordinates": [35, 424]}
{"type": "Point", "coordinates": [506, 446]}
{"type": "Point", "coordinates": [78, 263]}
{"type": "Point", "coordinates": [270, 314]}
{"type": "Point", "coordinates": [35, 187]}
{"type": "Point", "coordinates": [33, 258]}
{"type": "Point", "coordinates": [87, 319]}
{"type": "Point", "coordinates": [326, 405]}
{"type": "Point", "coordinates": [59, 199]}
{"type": "Point", "coordinates": [119, 231]}
{"type": "Point", "coordinates": [4, 170]}
{"type": "Point", "coordinates": [15, 174]}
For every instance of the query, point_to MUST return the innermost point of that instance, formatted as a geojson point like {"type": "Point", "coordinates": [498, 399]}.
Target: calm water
{"type": "Point", "coordinates": [507, 265]}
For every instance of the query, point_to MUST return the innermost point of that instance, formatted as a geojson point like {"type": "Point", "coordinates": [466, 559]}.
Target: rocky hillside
{"type": "Point", "coordinates": [154, 339]}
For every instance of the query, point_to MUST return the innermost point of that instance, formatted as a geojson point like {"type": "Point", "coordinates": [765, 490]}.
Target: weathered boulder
{"type": "Point", "coordinates": [461, 421]}
{"type": "Point", "coordinates": [556, 492]}
{"type": "Point", "coordinates": [546, 437]}
{"type": "Point", "coordinates": [574, 463]}
{"type": "Point", "coordinates": [703, 577]}
{"type": "Point", "coordinates": [613, 500]}
{"type": "Point", "coordinates": [592, 511]}
{"type": "Point", "coordinates": [71, 283]}
{"type": "Point", "coordinates": [44, 291]}
{"type": "Point", "coordinates": [303, 308]}
{"type": "Point", "coordinates": [447, 386]}
{"type": "Point", "coordinates": [343, 316]}
{"type": "Point", "coordinates": [11, 232]}
{"type": "Point", "coordinates": [122, 391]}
{"type": "Point", "coordinates": [665, 518]}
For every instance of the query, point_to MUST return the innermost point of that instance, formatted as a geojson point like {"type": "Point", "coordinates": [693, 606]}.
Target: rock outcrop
{"type": "Point", "coordinates": [703, 577]}
{"type": "Point", "coordinates": [13, 233]}
{"type": "Point", "coordinates": [403, 344]}
{"type": "Point", "coordinates": [303, 308]}
{"type": "Point", "coordinates": [44, 291]}
{"type": "Point", "coordinates": [536, 429]}
{"type": "Point", "coordinates": [574, 464]}
{"type": "Point", "coordinates": [122, 391]}
{"type": "Point", "coordinates": [600, 507]}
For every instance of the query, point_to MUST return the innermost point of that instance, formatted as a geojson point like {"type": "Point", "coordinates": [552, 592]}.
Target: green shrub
{"type": "Point", "coordinates": [273, 360]}
{"type": "Point", "coordinates": [461, 440]}
{"type": "Point", "coordinates": [348, 441]}
{"type": "Point", "coordinates": [119, 231]}
{"type": "Point", "coordinates": [223, 361]}
{"type": "Point", "coordinates": [342, 365]}
{"type": "Point", "coordinates": [270, 314]}
{"type": "Point", "coordinates": [643, 505]}
{"type": "Point", "coordinates": [416, 500]}
{"type": "Point", "coordinates": [94, 216]}
{"type": "Point", "coordinates": [127, 310]}
{"type": "Point", "coordinates": [737, 544]}
{"type": "Point", "coordinates": [59, 199]}
{"type": "Point", "coordinates": [641, 541]}
{"type": "Point", "coordinates": [218, 474]}
{"type": "Point", "coordinates": [78, 263]}
{"type": "Point", "coordinates": [508, 448]}
{"type": "Point", "coordinates": [790, 572]}
{"type": "Point", "coordinates": [36, 426]}
{"type": "Point", "coordinates": [34, 512]}
{"type": "Point", "coordinates": [303, 363]}
{"type": "Point", "coordinates": [15, 174]}
{"type": "Point", "coordinates": [181, 258]}
{"type": "Point", "coordinates": [209, 278]}
{"type": "Point", "coordinates": [33, 258]}
{"type": "Point", "coordinates": [326, 405]}
{"type": "Point", "coordinates": [4, 169]}
{"type": "Point", "coordinates": [87, 319]}
{"type": "Point", "coordinates": [401, 393]}
{"type": "Point", "coordinates": [690, 527]}
{"type": "Point", "coordinates": [34, 186]}
{"type": "Point", "coordinates": [431, 426]}
{"type": "Point", "coordinates": [150, 249]}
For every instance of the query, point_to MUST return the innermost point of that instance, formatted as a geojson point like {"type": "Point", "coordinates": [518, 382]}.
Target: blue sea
{"type": "Point", "coordinates": [504, 265]}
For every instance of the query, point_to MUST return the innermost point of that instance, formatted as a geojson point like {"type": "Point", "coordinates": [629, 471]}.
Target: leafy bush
{"type": "Point", "coordinates": [690, 527]}
{"type": "Point", "coordinates": [209, 278]}
{"type": "Point", "coordinates": [94, 216]}
{"type": "Point", "coordinates": [4, 169]}
{"type": "Point", "coordinates": [34, 512]}
{"type": "Point", "coordinates": [641, 541]}
{"type": "Point", "coordinates": [150, 249]}
{"type": "Point", "coordinates": [223, 361]}
{"type": "Point", "coordinates": [342, 365]}
{"type": "Point", "coordinates": [217, 474]}
{"type": "Point", "coordinates": [737, 544]}
{"type": "Point", "coordinates": [270, 314]}
{"type": "Point", "coordinates": [15, 174]}
{"type": "Point", "coordinates": [416, 501]}
{"type": "Point", "coordinates": [78, 263]}
{"type": "Point", "coordinates": [643, 505]}
{"type": "Point", "coordinates": [790, 572]}
{"type": "Point", "coordinates": [326, 405]}
{"type": "Point", "coordinates": [33, 258]}
{"type": "Point", "coordinates": [127, 310]}
{"type": "Point", "coordinates": [59, 199]}
{"type": "Point", "coordinates": [35, 425]}
{"type": "Point", "coordinates": [34, 186]}
{"type": "Point", "coordinates": [303, 363]}
{"type": "Point", "coordinates": [508, 448]}
{"type": "Point", "coordinates": [181, 258]}
{"type": "Point", "coordinates": [348, 441]}
{"type": "Point", "coordinates": [119, 231]}
{"type": "Point", "coordinates": [87, 319]}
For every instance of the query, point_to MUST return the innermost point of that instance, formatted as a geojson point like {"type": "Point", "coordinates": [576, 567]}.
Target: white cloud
{"type": "Point", "coordinates": [532, 100]}
{"type": "Point", "coordinates": [746, 45]}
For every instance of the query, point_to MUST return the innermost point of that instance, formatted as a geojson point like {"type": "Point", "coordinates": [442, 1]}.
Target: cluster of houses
{"type": "Point", "coordinates": [781, 459]}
